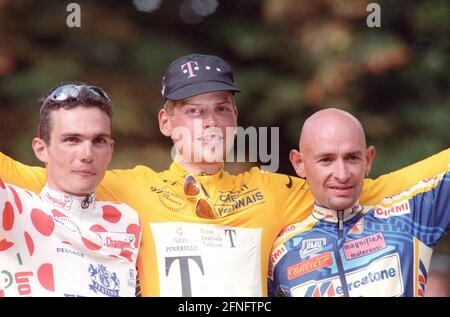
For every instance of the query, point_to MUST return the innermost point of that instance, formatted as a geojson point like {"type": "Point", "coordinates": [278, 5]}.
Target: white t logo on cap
{"type": "Point", "coordinates": [187, 68]}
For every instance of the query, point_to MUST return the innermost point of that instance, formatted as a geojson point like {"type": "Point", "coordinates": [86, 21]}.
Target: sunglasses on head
{"type": "Point", "coordinates": [194, 190]}
{"type": "Point", "coordinates": [72, 91]}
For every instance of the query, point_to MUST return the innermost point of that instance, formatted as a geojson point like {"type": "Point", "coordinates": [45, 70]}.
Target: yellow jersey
{"type": "Point", "coordinates": [184, 255]}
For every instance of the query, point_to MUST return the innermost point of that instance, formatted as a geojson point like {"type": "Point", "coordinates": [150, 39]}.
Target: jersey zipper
{"type": "Point", "coordinates": [340, 214]}
{"type": "Point", "coordinates": [339, 264]}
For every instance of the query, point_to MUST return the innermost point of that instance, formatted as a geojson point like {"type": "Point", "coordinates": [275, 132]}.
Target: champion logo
{"type": "Point", "coordinates": [117, 240]}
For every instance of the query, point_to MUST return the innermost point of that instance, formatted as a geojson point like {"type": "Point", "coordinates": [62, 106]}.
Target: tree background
{"type": "Point", "coordinates": [290, 58]}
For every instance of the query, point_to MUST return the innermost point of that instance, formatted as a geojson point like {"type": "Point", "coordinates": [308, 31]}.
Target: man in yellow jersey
{"type": "Point", "coordinates": [206, 232]}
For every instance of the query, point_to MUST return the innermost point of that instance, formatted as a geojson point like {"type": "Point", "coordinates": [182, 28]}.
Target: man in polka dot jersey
{"type": "Point", "coordinates": [63, 242]}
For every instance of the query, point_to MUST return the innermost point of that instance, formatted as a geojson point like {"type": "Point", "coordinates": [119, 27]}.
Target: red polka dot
{"type": "Point", "coordinates": [97, 228]}
{"type": "Point", "coordinates": [16, 199]}
{"type": "Point", "coordinates": [420, 293]}
{"type": "Point", "coordinates": [126, 254]}
{"type": "Point", "coordinates": [45, 276]}
{"type": "Point", "coordinates": [2, 185]}
{"type": "Point", "coordinates": [30, 243]}
{"type": "Point", "coordinates": [111, 214]}
{"type": "Point", "coordinates": [136, 230]}
{"type": "Point", "coordinates": [57, 213]}
{"type": "Point", "coordinates": [8, 216]}
{"type": "Point", "coordinates": [42, 222]}
{"type": "Point", "coordinates": [90, 245]}
{"type": "Point", "coordinates": [5, 245]}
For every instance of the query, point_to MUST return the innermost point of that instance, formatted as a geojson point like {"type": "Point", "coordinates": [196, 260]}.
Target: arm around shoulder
{"type": "Point", "coordinates": [389, 184]}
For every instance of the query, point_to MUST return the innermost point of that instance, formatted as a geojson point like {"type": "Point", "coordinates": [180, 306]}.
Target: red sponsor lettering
{"type": "Point", "coordinates": [287, 229]}
{"type": "Point", "coordinates": [394, 210]}
{"type": "Point", "coordinates": [310, 265]}
{"type": "Point", "coordinates": [278, 253]}
{"type": "Point", "coordinates": [117, 244]}
{"type": "Point", "coordinates": [55, 200]}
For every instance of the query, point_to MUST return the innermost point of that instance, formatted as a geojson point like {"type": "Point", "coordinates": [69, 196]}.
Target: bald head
{"type": "Point", "coordinates": [333, 157]}
{"type": "Point", "coordinates": [329, 123]}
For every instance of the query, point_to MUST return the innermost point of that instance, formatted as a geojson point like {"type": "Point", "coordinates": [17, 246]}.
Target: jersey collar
{"type": "Point", "coordinates": [67, 202]}
{"type": "Point", "coordinates": [326, 214]}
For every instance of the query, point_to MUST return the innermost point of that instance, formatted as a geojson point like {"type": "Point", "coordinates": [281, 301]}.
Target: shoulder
{"type": "Point", "coordinates": [296, 229]}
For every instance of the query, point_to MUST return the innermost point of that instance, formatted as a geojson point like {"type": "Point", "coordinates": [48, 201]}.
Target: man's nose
{"type": "Point", "coordinates": [209, 120]}
{"type": "Point", "coordinates": [341, 172]}
{"type": "Point", "coordinates": [86, 152]}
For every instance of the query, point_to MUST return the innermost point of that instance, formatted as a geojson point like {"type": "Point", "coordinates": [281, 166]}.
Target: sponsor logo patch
{"type": "Point", "coordinates": [103, 281]}
{"type": "Point", "coordinates": [398, 209]}
{"type": "Point", "coordinates": [358, 228]}
{"type": "Point", "coordinates": [275, 257]}
{"type": "Point", "coordinates": [117, 240]}
{"type": "Point", "coordinates": [360, 247]}
{"type": "Point", "coordinates": [381, 278]}
{"type": "Point", "coordinates": [315, 263]}
{"type": "Point", "coordinates": [312, 246]}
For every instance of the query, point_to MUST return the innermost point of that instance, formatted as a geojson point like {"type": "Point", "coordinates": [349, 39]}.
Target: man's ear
{"type": "Point", "coordinates": [297, 162]}
{"type": "Point", "coordinates": [164, 123]}
{"type": "Point", "coordinates": [112, 150]}
{"type": "Point", "coordinates": [40, 149]}
{"type": "Point", "coordinates": [370, 155]}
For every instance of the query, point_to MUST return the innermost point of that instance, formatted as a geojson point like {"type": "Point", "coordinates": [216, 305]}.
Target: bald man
{"type": "Point", "coordinates": [345, 248]}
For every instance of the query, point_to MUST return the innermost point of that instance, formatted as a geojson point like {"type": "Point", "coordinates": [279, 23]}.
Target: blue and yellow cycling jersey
{"type": "Point", "coordinates": [381, 250]}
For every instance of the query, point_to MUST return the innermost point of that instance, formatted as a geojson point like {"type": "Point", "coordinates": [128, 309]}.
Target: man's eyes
{"type": "Point", "coordinates": [71, 140]}
{"type": "Point", "coordinates": [194, 111]}
{"type": "Point", "coordinates": [100, 141]}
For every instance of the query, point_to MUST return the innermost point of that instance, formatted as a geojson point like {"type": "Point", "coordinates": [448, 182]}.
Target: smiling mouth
{"type": "Point", "coordinates": [343, 191]}
{"type": "Point", "coordinates": [84, 173]}
{"type": "Point", "coordinates": [340, 187]}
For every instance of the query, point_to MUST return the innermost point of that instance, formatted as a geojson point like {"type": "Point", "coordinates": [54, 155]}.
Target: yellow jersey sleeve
{"type": "Point", "coordinates": [29, 177]}
{"type": "Point", "coordinates": [292, 196]}
{"type": "Point", "coordinates": [121, 185]}
{"type": "Point", "coordinates": [386, 185]}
